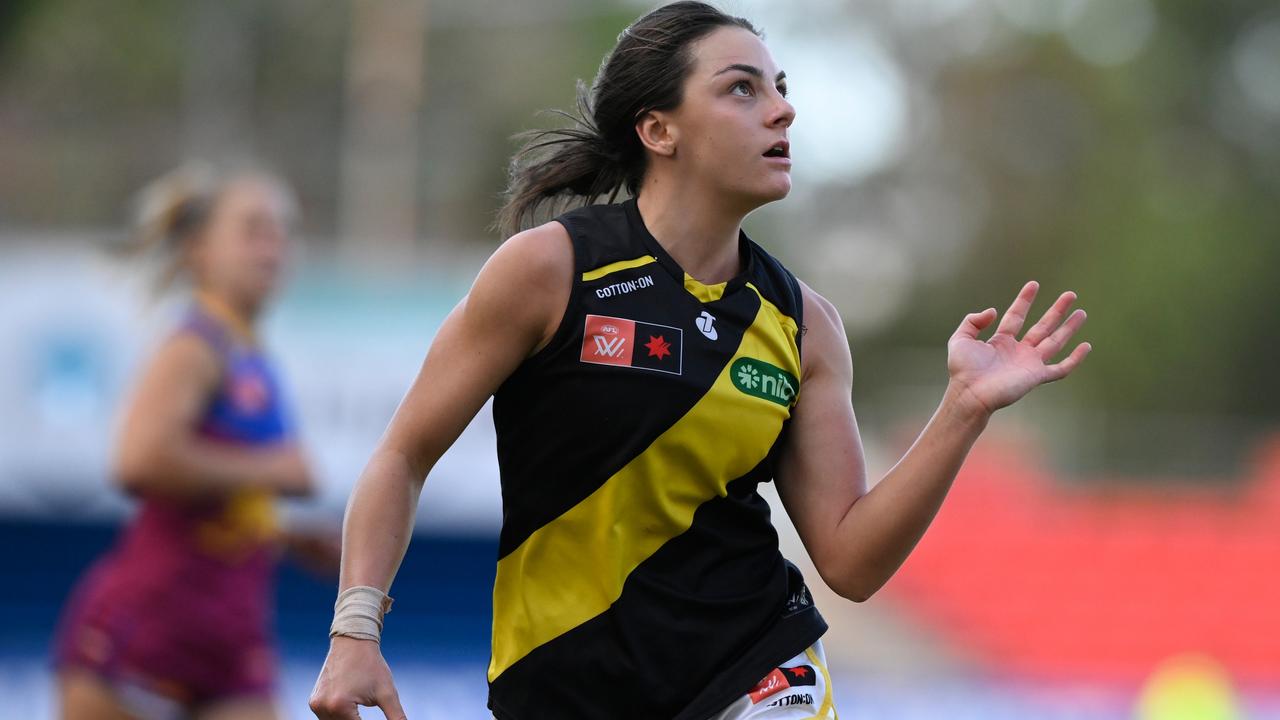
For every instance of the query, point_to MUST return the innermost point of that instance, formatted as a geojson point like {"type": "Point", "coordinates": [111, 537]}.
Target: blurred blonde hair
{"type": "Point", "coordinates": [172, 210]}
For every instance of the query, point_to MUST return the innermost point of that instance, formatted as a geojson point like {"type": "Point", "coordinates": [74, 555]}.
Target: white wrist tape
{"type": "Point", "coordinates": [358, 613]}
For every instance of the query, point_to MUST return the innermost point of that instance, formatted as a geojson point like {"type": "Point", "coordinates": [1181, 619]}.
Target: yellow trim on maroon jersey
{"type": "Point", "coordinates": [220, 310]}
{"type": "Point", "coordinates": [574, 567]}
{"type": "Point", "coordinates": [614, 267]}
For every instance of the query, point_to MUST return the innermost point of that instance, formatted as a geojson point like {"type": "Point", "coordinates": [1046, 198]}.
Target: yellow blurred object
{"type": "Point", "coordinates": [246, 523]}
{"type": "Point", "coordinates": [1188, 687]}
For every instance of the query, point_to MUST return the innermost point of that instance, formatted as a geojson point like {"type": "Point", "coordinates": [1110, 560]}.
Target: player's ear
{"type": "Point", "coordinates": [658, 133]}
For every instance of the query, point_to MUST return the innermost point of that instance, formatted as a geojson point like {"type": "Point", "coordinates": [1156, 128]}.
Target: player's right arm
{"type": "Point", "coordinates": [513, 309]}
{"type": "Point", "coordinates": [160, 451]}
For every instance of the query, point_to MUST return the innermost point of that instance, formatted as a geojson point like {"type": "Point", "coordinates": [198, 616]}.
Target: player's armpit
{"type": "Point", "coordinates": [822, 471]}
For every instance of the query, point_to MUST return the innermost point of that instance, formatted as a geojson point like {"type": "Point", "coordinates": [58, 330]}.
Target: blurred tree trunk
{"type": "Point", "coordinates": [220, 65]}
{"type": "Point", "coordinates": [378, 196]}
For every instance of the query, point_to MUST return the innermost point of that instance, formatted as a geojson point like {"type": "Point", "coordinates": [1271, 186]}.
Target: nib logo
{"type": "Point", "coordinates": [764, 380]}
{"type": "Point", "coordinates": [613, 341]}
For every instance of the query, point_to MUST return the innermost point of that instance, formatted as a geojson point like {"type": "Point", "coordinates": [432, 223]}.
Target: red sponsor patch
{"type": "Point", "coordinates": [608, 340]}
{"type": "Point", "coordinates": [632, 343]}
{"type": "Point", "coordinates": [780, 679]}
{"type": "Point", "coordinates": [772, 683]}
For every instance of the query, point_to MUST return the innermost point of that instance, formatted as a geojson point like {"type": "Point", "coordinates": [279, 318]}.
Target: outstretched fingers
{"type": "Point", "coordinates": [1050, 320]}
{"type": "Point", "coordinates": [1057, 371]}
{"type": "Point", "coordinates": [1053, 344]}
{"type": "Point", "coordinates": [1016, 315]}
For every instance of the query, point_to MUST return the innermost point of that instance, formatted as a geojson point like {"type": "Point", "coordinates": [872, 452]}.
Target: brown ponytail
{"type": "Point", "coordinates": [169, 212]}
{"type": "Point", "coordinates": [600, 153]}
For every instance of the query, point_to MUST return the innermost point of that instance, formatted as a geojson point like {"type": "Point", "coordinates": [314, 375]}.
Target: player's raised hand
{"type": "Point", "coordinates": [355, 674]}
{"type": "Point", "coordinates": [998, 371]}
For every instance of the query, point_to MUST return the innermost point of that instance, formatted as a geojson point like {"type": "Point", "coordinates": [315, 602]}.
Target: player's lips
{"type": "Point", "coordinates": [780, 149]}
{"type": "Point", "coordinates": [779, 154]}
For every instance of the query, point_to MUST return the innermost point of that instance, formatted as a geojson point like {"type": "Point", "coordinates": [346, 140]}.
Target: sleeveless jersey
{"type": "Point", "coordinates": [233, 535]}
{"type": "Point", "coordinates": [639, 574]}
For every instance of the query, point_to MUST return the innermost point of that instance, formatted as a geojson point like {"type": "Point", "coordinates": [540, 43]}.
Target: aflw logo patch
{"type": "Point", "coordinates": [782, 678]}
{"type": "Point", "coordinates": [630, 343]}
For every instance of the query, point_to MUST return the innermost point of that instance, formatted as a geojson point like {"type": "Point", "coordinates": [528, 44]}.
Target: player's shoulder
{"type": "Point", "coordinates": [603, 233]}
{"type": "Point", "coordinates": [824, 336]}
{"type": "Point", "coordinates": [188, 355]}
{"type": "Point", "coordinates": [818, 310]}
{"type": "Point", "coordinates": [525, 285]}
{"type": "Point", "coordinates": [532, 257]}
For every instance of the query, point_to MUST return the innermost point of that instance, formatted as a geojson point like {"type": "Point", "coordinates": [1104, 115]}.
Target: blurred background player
{"type": "Point", "coordinates": [175, 620]}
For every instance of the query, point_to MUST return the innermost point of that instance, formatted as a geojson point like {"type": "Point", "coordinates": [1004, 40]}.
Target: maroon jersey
{"type": "Point", "coordinates": [181, 606]}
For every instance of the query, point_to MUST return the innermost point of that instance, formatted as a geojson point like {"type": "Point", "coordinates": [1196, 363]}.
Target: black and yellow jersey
{"type": "Point", "coordinates": [639, 575]}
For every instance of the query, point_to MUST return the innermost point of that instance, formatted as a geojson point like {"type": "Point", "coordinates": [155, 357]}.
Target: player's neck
{"type": "Point", "coordinates": [695, 229]}
{"type": "Point", "coordinates": [240, 318]}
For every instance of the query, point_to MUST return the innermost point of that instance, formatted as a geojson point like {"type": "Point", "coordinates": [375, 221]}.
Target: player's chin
{"type": "Point", "coordinates": [762, 190]}
{"type": "Point", "coordinates": [775, 187]}
{"type": "Point", "coordinates": [260, 289]}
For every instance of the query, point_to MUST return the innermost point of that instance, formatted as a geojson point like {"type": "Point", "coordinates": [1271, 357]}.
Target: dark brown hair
{"type": "Point", "coordinates": [600, 153]}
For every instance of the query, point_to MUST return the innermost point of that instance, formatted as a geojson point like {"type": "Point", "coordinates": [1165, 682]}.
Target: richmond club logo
{"type": "Point", "coordinates": [631, 343]}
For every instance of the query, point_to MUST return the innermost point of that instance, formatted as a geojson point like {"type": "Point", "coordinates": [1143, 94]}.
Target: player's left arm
{"type": "Point", "coordinates": [857, 537]}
